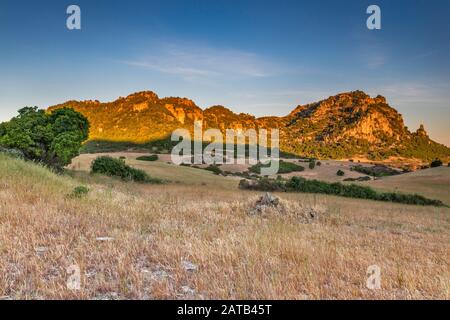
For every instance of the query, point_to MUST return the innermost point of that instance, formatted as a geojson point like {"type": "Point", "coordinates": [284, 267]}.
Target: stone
{"type": "Point", "coordinates": [189, 266]}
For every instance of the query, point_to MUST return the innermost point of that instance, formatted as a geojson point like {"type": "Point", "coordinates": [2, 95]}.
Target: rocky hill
{"type": "Point", "coordinates": [350, 124]}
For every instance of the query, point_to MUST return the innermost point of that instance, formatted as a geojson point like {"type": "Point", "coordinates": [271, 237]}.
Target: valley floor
{"type": "Point", "coordinates": [196, 239]}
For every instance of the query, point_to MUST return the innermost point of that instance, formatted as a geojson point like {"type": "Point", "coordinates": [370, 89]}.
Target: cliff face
{"type": "Point", "coordinates": [341, 126]}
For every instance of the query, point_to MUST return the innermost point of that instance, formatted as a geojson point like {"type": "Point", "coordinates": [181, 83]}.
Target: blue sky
{"type": "Point", "coordinates": [260, 57]}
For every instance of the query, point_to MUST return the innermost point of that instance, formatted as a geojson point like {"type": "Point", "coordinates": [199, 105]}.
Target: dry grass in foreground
{"type": "Point", "coordinates": [182, 242]}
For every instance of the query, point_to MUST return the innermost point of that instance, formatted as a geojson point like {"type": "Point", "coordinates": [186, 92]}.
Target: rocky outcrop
{"type": "Point", "coordinates": [341, 126]}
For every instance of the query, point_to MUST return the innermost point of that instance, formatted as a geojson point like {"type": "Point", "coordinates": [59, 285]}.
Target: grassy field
{"type": "Point", "coordinates": [433, 183]}
{"type": "Point", "coordinates": [189, 240]}
{"type": "Point", "coordinates": [163, 169]}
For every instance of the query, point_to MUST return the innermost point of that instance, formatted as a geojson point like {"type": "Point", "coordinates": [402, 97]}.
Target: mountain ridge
{"type": "Point", "coordinates": [341, 126]}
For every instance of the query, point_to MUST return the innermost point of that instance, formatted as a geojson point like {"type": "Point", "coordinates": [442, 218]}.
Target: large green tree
{"type": "Point", "coordinates": [51, 138]}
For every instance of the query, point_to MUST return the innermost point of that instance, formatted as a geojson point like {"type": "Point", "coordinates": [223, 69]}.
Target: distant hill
{"type": "Point", "coordinates": [346, 125]}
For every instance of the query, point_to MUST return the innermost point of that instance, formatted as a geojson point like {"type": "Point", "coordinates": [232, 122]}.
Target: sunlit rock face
{"type": "Point", "coordinates": [341, 126]}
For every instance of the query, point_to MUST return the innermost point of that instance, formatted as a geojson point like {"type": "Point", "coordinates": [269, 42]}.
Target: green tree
{"type": "Point", "coordinates": [51, 138]}
{"type": "Point", "coordinates": [436, 163]}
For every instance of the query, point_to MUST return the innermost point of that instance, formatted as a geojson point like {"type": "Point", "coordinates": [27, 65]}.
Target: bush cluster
{"type": "Point", "coordinates": [118, 168]}
{"type": "Point", "coordinates": [284, 167]}
{"type": "Point", "coordinates": [364, 178]}
{"type": "Point", "coordinates": [79, 192]}
{"type": "Point", "coordinates": [340, 173]}
{"type": "Point", "coordinates": [298, 184]}
{"type": "Point", "coordinates": [152, 157]}
{"type": "Point", "coordinates": [375, 171]}
{"type": "Point", "coordinates": [214, 169]}
{"type": "Point", "coordinates": [436, 163]}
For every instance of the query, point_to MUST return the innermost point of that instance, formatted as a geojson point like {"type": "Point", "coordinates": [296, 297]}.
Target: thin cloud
{"type": "Point", "coordinates": [405, 93]}
{"type": "Point", "coordinates": [190, 62]}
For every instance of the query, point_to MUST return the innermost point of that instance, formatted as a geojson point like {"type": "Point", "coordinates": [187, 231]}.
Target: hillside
{"type": "Point", "coordinates": [174, 241]}
{"type": "Point", "coordinates": [347, 125]}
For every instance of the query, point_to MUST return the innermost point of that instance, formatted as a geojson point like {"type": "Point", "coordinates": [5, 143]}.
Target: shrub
{"type": "Point", "coordinates": [283, 167]}
{"type": "Point", "coordinates": [436, 163]}
{"type": "Point", "coordinates": [364, 178]}
{"type": "Point", "coordinates": [340, 173]}
{"type": "Point", "coordinates": [312, 164]}
{"type": "Point", "coordinates": [263, 184]}
{"type": "Point", "coordinates": [122, 157]}
{"type": "Point", "coordinates": [318, 163]}
{"type": "Point", "coordinates": [214, 169]}
{"type": "Point", "coordinates": [299, 184]}
{"type": "Point", "coordinates": [15, 153]}
{"type": "Point", "coordinates": [79, 192]}
{"type": "Point", "coordinates": [117, 168]}
{"type": "Point", "coordinates": [152, 157]}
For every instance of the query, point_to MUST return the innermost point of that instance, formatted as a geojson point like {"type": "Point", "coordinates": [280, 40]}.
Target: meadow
{"type": "Point", "coordinates": [195, 239]}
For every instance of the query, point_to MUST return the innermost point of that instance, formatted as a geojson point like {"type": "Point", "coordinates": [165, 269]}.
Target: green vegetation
{"type": "Point", "coordinates": [49, 138]}
{"type": "Point", "coordinates": [376, 171]}
{"type": "Point", "coordinates": [79, 192]}
{"type": "Point", "coordinates": [365, 178]}
{"type": "Point", "coordinates": [214, 169]}
{"type": "Point", "coordinates": [312, 164]}
{"type": "Point", "coordinates": [103, 146]}
{"type": "Point", "coordinates": [15, 153]}
{"type": "Point", "coordinates": [436, 163]}
{"type": "Point", "coordinates": [340, 173]}
{"type": "Point", "coordinates": [284, 167]}
{"type": "Point", "coordinates": [152, 157]}
{"type": "Point", "coordinates": [118, 168]}
{"type": "Point", "coordinates": [298, 184]}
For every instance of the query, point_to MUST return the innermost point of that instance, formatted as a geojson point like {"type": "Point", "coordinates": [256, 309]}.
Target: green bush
{"type": "Point", "coordinates": [376, 171]}
{"type": "Point", "coordinates": [117, 168]}
{"type": "Point", "coordinates": [79, 192]}
{"type": "Point", "coordinates": [283, 167]}
{"type": "Point", "coordinates": [364, 178]}
{"type": "Point", "coordinates": [340, 173]}
{"type": "Point", "coordinates": [318, 163]}
{"type": "Point", "coordinates": [152, 157]}
{"type": "Point", "coordinates": [436, 163]}
{"type": "Point", "coordinates": [312, 164]}
{"type": "Point", "coordinates": [299, 184]}
{"type": "Point", "coordinates": [214, 169]}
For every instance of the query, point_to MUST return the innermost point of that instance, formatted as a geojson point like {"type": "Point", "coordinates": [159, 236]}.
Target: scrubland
{"type": "Point", "coordinates": [193, 238]}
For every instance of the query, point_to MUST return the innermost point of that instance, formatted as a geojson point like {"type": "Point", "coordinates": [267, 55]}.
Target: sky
{"type": "Point", "coordinates": [259, 57]}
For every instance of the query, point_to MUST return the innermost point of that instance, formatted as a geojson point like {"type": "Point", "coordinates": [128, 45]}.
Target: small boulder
{"type": "Point", "coordinates": [265, 202]}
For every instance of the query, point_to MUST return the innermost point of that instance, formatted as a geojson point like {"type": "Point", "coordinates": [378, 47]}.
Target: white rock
{"type": "Point", "coordinates": [104, 239]}
{"type": "Point", "coordinates": [189, 266]}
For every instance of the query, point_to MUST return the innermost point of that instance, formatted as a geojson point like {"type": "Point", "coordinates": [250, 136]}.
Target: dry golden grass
{"type": "Point", "coordinates": [155, 229]}
{"type": "Point", "coordinates": [163, 169]}
{"type": "Point", "coordinates": [433, 183]}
